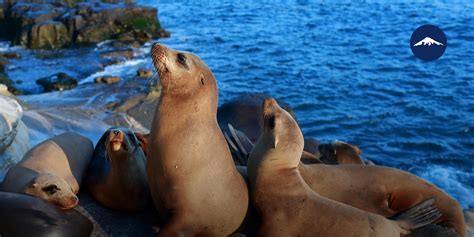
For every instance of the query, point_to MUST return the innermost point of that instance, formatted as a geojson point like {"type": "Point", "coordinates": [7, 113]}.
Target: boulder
{"type": "Point", "coordinates": [144, 73]}
{"type": "Point", "coordinates": [10, 55]}
{"type": "Point", "coordinates": [125, 53]}
{"type": "Point", "coordinates": [94, 33]}
{"type": "Point", "coordinates": [107, 79]}
{"type": "Point", "coordinates": [84, 22]}
{"type": "Point", "coordinates": [49, 34]}
{"type": "Point", "coordinates": [14, 138]}
{"type": "Point", "coordinates": [57, 82]}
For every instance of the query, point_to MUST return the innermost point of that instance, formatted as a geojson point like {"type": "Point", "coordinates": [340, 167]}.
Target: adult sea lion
{"type": "Point", "coordinates": [280, 194]}
{"type": "Point", "coordinates": [116, 176]}
{"type": "Point", "coordinates": [52, 170]}
{"type": "Point", "coordinates": [193, 180]}
{"type": "Point", "coordinates": [24, 215]}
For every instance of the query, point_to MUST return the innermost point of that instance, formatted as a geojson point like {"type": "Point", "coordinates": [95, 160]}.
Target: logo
{"type": "Point", "coordinates": [428, 42]}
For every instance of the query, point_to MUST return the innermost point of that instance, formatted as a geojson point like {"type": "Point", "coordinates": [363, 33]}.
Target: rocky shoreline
{"type": "Point", "coordinates": [52, 24]}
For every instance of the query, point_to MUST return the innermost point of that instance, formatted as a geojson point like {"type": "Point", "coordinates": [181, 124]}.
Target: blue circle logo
{"type": "Point", "coordinates": [428, 42]}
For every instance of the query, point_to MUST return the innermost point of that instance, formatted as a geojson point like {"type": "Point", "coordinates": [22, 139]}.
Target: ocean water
{"type": "Point", "coordinates": [345, 68]}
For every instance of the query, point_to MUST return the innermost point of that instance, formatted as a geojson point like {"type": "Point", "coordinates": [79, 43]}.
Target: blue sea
{"type": "Point", "coordinates": [345, 68]}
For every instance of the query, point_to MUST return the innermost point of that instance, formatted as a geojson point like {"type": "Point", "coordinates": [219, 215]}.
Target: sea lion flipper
{"type": "Point", "coordinates": [240, 144]}
{"type": "Point", "coordinates": [421, 214]}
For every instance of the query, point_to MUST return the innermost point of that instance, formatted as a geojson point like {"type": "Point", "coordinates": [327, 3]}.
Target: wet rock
{"type": "Point", "coordinates": [85, 22]}
{"type": "Point", "coordinates": [14, 139]}
{"type": "Point", "coordinates": [125, 53]}
{"type": "Point", "coordinates": [144, 73]}
{"type": "Point", "coordinates": [10, 55]}
{"type": "Point", "coordinates": [3, 62]}
{"type": "Point", "coordinates": [107, 79]}
{"type": "Point", "coordinates": [94, 34]}
{"type": "Point", "coordinates": [49, 34]}
{"type": "Point", "coordinates": [6, 81]}
{"type": "Point", "coordinates": [57, 82]}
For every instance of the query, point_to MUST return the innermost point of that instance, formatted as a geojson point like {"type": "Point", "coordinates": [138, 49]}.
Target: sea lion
{"type": "Point", "coordinates": [381, 190]}
{"type": "Point", "coordinates": [193, 180]}
{"type": "Point", "coordinates": [116, 176]}
{"type": "Point", "coordinates": [244, 113]}
{"type": "Point", "coordinates": [340, 153]}
{"type": "Point", "coordinates": [280, 195]}
{"type": "Point", "coordinates": [24, 215]}
{"type": "Point", "coordinates": [52, 170]}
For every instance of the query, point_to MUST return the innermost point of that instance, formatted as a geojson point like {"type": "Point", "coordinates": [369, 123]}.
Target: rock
{"type": "Point", "coordinates": [107, 79]}
{"type": "Point", "coordinates": [94, 34]}
{"type": "Point", "coordinates": [10, 55]}
{"type": "Point", "coordinates": [5, 80]}
{"type": "Point", "coordinates": [3, 62]}
{"type": "Point", "coordinates": [144, 73]}
{"type": "Point", "coordinates": [125, 53]}
{"type": "Point", "coordinates": [57, 82]}
{"type": "Point", "coordinates": [49, 34]}
{"type": "Point", "coordinates": [84, 22]}
{"type": "Point", "coordinates": [14, 139]}
{"type": "Point", "coordinates": [469, 218]}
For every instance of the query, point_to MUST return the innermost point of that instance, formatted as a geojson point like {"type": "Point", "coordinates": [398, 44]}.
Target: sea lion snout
{"type": "Point", "coordinates": [116, 139]}
{"type": "Point", "coordinates": [158, 56]}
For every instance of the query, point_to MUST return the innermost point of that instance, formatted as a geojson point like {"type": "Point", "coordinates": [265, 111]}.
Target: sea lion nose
{"type": "Point", "coordinates": [116, 132]}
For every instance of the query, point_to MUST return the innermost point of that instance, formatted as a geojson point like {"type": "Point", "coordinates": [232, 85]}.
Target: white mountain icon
{"type": "Point", "coordinates": [427, 41]}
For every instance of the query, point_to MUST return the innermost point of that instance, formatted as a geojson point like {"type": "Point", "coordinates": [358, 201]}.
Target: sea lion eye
{"type": "Point", "coordinates": [51, 189]}
{"type": "Point", "coordinates": [271, 121]}
{"type": "Point", "coordinates": [181, 59]}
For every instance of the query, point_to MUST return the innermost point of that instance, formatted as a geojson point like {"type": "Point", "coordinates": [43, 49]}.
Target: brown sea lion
{"type": "Point", "coordinates": [340, 153]}
{"type": "Point", "coordinates": [289, 207]}
{"type": "Point", "coordinates": [193, 180]}
{"type": "Point", "coordinates": [380, 190]}
{"type": "Point", "coordinates": [52, 170]}
{"type": "Point", "coordinates": [116, 176]}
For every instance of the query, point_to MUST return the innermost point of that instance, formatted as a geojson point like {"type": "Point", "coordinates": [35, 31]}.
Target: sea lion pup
{"type": "Point", "coordinates": [280, 195]}
{"type": "Point", "coordinates": [193, 180]}
{"type": "Point", "coordinates": [116, 176]}
{"type": "Point", "coordinates": [52, 170]}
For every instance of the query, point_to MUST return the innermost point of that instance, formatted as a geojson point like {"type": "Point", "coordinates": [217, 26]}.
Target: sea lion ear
{"type": "Point", "coordinates": [203, 79]}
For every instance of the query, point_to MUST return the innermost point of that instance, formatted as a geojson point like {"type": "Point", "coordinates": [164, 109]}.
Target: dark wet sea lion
{"type": "Point", "coordinates": [52, 170]}
{"type": "Point", "coordinates": [116, 176]}
{"type": "Point", "coordinates": [23, 215]}
{"type": "Point", "coordinates": [287, 206]}
{"type": "Point", "coordinates": [244, 113]}
{"type": "Point", "coordinates": [193, 180]}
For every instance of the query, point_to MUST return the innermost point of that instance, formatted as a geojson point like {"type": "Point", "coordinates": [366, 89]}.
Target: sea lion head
{"type": "Point", "coordinates": [181, 73]}
{"type": "Point", "coordinates": [122, 144]}
{"type": "Point", "coordinates": [339, 152]}
{"type": "Point", "coordinates": [53, 189]}
{"type": "Point", "coordinates": [281, 129]}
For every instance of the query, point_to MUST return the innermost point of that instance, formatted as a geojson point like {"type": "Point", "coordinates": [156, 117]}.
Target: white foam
{"type": "Point", "coordinates": [118, 69]}
{"type": "Point", "coordinates": [448, 179]}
